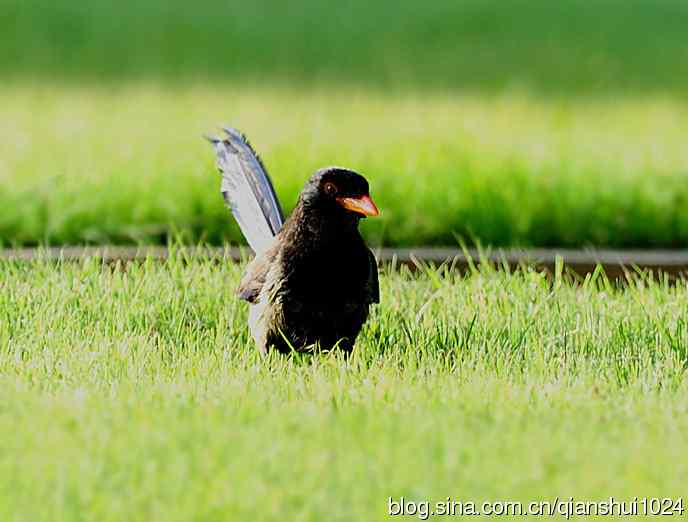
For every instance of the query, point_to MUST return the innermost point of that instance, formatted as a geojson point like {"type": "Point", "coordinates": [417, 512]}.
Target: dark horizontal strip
{"type": "Point", "coordinates": [614, 262]}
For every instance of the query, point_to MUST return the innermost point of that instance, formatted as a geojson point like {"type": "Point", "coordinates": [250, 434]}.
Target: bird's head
{"type": "Point", "coordinates": [337, 190]}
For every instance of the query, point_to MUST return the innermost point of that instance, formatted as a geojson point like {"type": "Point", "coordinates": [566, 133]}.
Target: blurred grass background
{"type": "Point", "coordinates": [513, 123]}
{"type": "Point", "coordinates": [569, 46]}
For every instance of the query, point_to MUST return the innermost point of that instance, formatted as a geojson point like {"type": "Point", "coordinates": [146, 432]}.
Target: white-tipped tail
{"type": "Point", "coordinates": [247, 190]}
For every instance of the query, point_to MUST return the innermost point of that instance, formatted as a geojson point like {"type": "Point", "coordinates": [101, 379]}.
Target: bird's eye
{"type": "Point", "coordinates": [330, 189]}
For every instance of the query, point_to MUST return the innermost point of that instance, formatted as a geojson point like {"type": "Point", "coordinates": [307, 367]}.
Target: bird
{"type": "Point", "coordinates": [313, 280]}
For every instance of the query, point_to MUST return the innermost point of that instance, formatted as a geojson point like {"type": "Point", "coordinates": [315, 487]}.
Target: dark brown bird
{"type": "Point", "coordinates": [313, 279]}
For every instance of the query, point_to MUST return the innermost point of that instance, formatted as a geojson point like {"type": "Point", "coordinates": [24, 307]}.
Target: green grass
{"type": "Point", "coordinates": [127, 164]}
{"type": "Point", "coordinates": [133, 392]}
{"type": "Point", "coordinates": [568, 46]}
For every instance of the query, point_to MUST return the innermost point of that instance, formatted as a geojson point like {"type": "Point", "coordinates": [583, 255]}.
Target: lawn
{"type": "Point", "coordinates": [133, 392]}
{"type": "Point", "coordinates": [127, 164]}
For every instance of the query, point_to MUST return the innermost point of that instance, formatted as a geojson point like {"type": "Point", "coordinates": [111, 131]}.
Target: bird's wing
{"type": "Point", "coordinates": [247, 190]}
{"type": "Point", "coordinates": [256, 274]}
{"type": "Point", "coordinates": [373, 285]}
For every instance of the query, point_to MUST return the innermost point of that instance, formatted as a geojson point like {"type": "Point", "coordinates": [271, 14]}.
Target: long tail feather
{"type": "Point", "coordinates": [247, 189]}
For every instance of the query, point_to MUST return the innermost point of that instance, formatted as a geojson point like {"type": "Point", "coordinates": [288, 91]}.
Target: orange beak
{"type": "Point", "coordinates": [361, 205]}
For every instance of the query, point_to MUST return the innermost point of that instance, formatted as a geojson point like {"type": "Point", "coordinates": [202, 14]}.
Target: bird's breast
{"type": "Point", "coordinates": [329, 275]}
